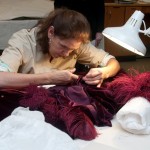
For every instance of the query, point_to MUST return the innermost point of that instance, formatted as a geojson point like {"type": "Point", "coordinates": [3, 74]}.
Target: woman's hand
{"type": "Point", "coordinates": [61, 77]}
{"type": "Point", "coordinates": [94, 77]}
{"type": "Point", "coordinates": [19, 80]}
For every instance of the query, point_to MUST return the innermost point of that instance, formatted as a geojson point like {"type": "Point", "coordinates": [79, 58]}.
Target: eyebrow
{"type": "Point", "coordinates": [66, 46]}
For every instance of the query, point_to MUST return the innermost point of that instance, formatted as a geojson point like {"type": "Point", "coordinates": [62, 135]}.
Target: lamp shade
{"type": "Point", "coordinates": [127, 35]}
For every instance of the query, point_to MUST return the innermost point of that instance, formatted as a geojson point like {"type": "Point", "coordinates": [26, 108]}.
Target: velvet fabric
{"type": "Point", "coordinates": [75, 108]}
{"type": "Point", "coordinates": [129, 85]}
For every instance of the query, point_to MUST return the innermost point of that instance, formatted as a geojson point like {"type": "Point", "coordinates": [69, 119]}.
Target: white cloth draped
{"type": "Point", "coordinates": [27, 130]}
{"type": "Point", "coordinates": [134, 116]}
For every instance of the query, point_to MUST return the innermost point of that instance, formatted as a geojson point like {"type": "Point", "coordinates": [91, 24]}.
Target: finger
{"type": "Point", "coordinates": [72, 70]}
{"type": "Point", "coordinates": [75, 77]}
{"type": "Point", "coordinates": [91, 79]}
{"type": "Point", "coordinates": [96, 82]}
{"type": "Point", "coordinates": [98, 77]}
{"type": "Point", "coordinates": [92, 74]}
{"type": "Point", "coordinates": [100, 83]}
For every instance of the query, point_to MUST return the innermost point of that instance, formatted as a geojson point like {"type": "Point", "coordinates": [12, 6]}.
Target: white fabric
{"type": "Point", "coordinates": [134, 116]}
{"type": "Point", "coordinates": [110, 138]}
{"type": "Point", "coordinates": [26, 130]}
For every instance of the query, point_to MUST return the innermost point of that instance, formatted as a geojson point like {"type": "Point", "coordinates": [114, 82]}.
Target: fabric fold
{"type": "Point", "coordinates": [134, 116]}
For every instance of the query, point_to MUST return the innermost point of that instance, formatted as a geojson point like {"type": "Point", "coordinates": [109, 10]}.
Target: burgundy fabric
{"type": "Point", "coordinates": [73, 108]}
{"type": "Point", "coordinates": [77, 107]}
{"type": "Point", "coordinates": [127, 86]}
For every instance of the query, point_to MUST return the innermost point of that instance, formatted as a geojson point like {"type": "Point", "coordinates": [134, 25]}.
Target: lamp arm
{"type": "Point", "coordinates": [145, 31]}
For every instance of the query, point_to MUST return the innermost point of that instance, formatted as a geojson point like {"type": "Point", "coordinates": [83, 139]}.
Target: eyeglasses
{"type": "Point", "coordinates": [62, 46]}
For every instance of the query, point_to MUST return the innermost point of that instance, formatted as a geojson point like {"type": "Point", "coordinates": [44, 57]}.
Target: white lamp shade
{"type": "Point", "coordinates": [128, 35]}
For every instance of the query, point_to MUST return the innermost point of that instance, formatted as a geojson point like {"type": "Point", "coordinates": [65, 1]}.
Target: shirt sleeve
{"type": "Point", "coordinates": [4, 67]}
{"type": "Point", "coordinates": [106, 59]}
{"type": "Point", "coordinates": [92, 56]}
{"type": "Point", "coordinates": [18, 51]}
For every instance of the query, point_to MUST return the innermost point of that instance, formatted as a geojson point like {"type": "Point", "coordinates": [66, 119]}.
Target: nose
{"type": "Point", "coordinates": [65, 53]}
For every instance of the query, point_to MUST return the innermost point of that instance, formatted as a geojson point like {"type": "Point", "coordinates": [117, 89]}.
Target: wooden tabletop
{"type": "Point", "coordinates": [129, 5]}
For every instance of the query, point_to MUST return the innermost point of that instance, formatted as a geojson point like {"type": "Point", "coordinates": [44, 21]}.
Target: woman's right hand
{"type": "Point", "coordinates": [61, 77]}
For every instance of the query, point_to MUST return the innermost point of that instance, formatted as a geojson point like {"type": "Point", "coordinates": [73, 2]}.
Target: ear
{"type": "Point", "coordinates": [50, 31]}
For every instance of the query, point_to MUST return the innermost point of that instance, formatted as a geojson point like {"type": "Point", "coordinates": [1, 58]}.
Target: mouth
{"type": "Point", "coordinates": [56, 56]}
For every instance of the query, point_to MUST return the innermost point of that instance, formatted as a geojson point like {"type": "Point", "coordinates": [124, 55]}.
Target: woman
{"type": "Point", "coordinates": [47, 53]}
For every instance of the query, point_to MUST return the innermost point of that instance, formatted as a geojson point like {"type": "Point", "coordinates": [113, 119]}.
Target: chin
{"type": "Point", "coordinates": [64, 57]}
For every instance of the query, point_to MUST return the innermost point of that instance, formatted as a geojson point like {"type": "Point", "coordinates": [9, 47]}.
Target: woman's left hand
{"type": "Point", "coordinates": [94, 77]}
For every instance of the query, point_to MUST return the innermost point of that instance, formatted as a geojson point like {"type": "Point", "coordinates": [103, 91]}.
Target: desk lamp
{"type": "Point", "coordinates": [127, 35]}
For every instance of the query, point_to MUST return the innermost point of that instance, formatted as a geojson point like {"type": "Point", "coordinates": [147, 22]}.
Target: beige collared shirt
{"type": "Point", "coordinates": [24, 56]}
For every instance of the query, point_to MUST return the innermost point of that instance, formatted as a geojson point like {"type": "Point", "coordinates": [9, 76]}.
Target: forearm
{"type": "Point", "coordinates": [18, 80]}
{"type": "Point", "coordinates": [111, 68]}
{"type": "Point", "coordinates": [96, 75]}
